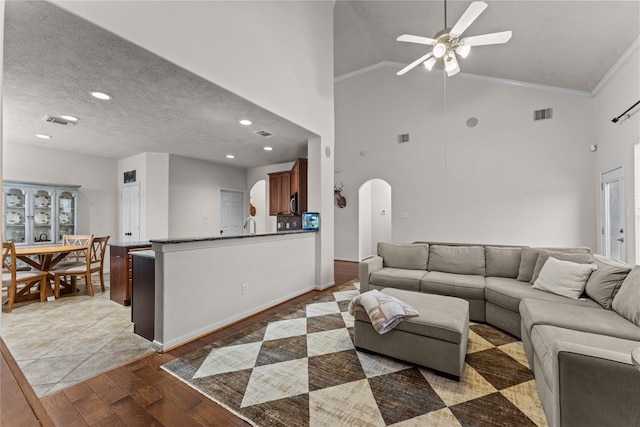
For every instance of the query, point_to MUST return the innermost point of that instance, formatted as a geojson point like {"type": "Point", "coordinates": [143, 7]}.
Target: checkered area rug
{"type": "Point", "coordinates": [302, 369]}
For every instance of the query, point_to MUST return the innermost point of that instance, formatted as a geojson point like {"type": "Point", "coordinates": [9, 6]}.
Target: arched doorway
{"type": "Point", "coordinates": [374, 216]}
{"type": "Point", "coordinates": [257, 200]}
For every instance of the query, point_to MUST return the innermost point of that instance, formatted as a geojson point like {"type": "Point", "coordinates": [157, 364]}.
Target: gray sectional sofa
{"type": "Point", "coordinates": [578, 348]}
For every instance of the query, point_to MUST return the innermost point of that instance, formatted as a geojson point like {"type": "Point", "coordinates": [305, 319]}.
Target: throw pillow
{"type": "Point", "coordinates": [603, 285]}
{"type": "Point", "coordinates": [527, 263]}
{"type": "Point", "coordinates": [544, 255]}
{"type": "Point", "coordinates": [627, 302]}
{"type": "Point", "coordinates": [564, 278]}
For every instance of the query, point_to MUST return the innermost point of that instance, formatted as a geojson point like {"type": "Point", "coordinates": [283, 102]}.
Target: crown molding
{"type": "Point", "coordinates": [617, 66]}
{"type": "Point", "coordinates": [513, 83]}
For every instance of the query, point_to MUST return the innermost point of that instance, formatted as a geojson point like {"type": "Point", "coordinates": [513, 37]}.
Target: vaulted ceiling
{"type": "Point", "coordinates": [564, 44]}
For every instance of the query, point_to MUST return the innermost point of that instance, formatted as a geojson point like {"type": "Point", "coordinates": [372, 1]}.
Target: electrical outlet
{"type": "Point", "coordinates": [245, 288]}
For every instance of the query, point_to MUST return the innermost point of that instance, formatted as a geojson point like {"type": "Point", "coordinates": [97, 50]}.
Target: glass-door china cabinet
{"type": "Point", "coordinates": [38, 213]}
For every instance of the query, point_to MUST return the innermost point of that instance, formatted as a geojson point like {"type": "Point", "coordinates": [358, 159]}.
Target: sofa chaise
{"type": "Point", "coordinates": [578, 342]}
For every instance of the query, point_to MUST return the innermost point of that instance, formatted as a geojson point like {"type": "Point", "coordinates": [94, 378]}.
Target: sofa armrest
{"type": "Point", "coordinates": [594, 387]}
{"type": "Point", "coordinates": [367, 267]}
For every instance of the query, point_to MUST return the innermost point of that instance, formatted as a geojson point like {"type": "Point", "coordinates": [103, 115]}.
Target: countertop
{"type": "Point", "coordinates": [237, 236]}
{"type": "Point", "coordinates": [130, 244]}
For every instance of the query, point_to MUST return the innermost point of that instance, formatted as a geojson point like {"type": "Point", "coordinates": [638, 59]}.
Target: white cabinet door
{"type": "Point", "coordinates": [130, 213]}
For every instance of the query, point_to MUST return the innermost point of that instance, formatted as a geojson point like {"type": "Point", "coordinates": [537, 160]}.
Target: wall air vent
{"type": "Point", "coordinates": [547, 113]}
{"type": "Point", "coordinates": [264, 133]}
{"type": "Point", "coordinates": [402, 138]}
{"type": "Point", "coordinates": [58, 120]}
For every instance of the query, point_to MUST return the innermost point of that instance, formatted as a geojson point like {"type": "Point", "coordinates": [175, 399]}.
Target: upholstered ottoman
{"type": "Point", "coordinates": [436, 339]}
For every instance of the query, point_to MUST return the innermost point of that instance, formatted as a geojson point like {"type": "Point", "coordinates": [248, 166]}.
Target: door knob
{"type": "Point", "coordinates": [620, 239]}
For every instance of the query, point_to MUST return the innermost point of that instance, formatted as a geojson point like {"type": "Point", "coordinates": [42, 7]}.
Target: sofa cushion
{"type": "Point", "coordinates": [408, 256]}
{"type": "Point", "coordinates": [530, 257]}
{"type": "Point", "coordinates": [502, 261]}
{"type": "Point", "coordinates": [508, 293]}
{"type": "Point", "coordinates": [457, 259]}
{"type": "Point", "coordinates": [545, 337]}
{"type": "Point", "coordinates": [594, 319]}
{"type": "Point", "coordinates": [455, 285]}
{"type": "Point", "coordinates": [564, 278]}
{"type": "Point", "coordinates": [397, 278]}
{"type": "Point", "coordinates": [604, 283]}
{"type": "Point", "coordinates": [544, 255]}
{"type": "Point", "coordinates": [627, 301]}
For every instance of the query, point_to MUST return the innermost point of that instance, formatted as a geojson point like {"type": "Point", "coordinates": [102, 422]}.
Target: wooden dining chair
{"type": "Point", "coordinates": [12, 277]}
{"type": "Point", "coordinates": [92, 263]}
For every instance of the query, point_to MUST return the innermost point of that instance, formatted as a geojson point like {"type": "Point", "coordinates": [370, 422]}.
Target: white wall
{"type": "Point", "coordinates": [615, 141]}
{"type": "Point", "coordinates": [273, 53]}
{"type": "Point", "coordinates": [508, 180]}
{"type": "Point", "coordinates": [365, 249]}
{"type": "Point", "coordinates": [97, 196]}
{"type": "Point", "coordinates": [381, 223]}
{"type": "Point", "coordinates": [194, 195]}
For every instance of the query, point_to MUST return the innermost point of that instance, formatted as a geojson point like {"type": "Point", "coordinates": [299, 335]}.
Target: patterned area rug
{"type": "Point", "coordinates": [301, 369]}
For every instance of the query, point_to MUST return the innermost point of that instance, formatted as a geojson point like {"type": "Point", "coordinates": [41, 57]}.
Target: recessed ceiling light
{"type": "Point", "coordinates": [70, 118]}
{"type": "Point", "coordinates": [268, 148]}
{"type": "Point", "coordinates": [100, 95]}
{"type": "Point", "coordinates": [39, 135]}
{"type": "Point", "coordinates": [230, 156]}
{"type": "Point", "coordinates": [245, 122]}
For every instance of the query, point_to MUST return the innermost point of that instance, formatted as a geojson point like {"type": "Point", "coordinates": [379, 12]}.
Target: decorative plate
{"type": "Point", "coordinates": [65, 218]}
{"type": "Point", "coordinates": [14, 218]}
{"type": "Point", "coordinates": [41, 201]}
{"type": "Point", "coordinates": [14, 200]}
{"type": "Point", "coordinates": [41, 218]}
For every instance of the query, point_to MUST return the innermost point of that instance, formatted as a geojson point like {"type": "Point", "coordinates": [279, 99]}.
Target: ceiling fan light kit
{"type": "Point", "coordinates": [447, 43]}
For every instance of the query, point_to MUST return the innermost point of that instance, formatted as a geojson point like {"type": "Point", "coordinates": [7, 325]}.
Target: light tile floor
{"type": "Point", "coordinates": [62, 342]}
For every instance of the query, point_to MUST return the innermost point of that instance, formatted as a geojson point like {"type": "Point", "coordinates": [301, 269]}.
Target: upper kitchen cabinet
{"type": "Point", "coordinates": [288, 190]}
{"type": "Point", "coordinates": [299, 185]}
{"type": "Point", "coordinates": [38, 213]}
{"type": "Point", "coordinates": [279, 193]}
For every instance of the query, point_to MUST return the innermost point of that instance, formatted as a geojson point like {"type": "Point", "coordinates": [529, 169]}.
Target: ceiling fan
{"type": "Point", "coordinates": [447, 43]}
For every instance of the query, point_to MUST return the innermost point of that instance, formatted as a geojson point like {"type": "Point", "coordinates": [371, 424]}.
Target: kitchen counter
{"type": "Point", "coordinates": [129, 244]}
{"type": "Point", "coordinates": [237, 236]}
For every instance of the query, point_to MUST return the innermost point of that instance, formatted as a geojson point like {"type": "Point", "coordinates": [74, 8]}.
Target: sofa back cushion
{"type": "Point", "coordinates": [502, 261]}
{"type": "Point", "coordinates": [530, 257]}
{"type": "Point", "coordinates": [562, 256]}
{"type": "Point", "coordinates": [457, 259]}
{"type": "Point", "coordinates": [604, 283]}
{"type": "Point", "coordinates": [404, 255]}
{"type": "Point", "coordinates": [627, 301]}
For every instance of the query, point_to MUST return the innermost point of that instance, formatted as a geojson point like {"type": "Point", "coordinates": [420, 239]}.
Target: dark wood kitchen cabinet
{"type": "Point", "coordinates": [120, 269]}
{"type": "Point", "coordinates": [282, 185]}
{"type": "Point", "coordinates": [143, 297]}
{"type": "Point", "coordinates": [279, 193]}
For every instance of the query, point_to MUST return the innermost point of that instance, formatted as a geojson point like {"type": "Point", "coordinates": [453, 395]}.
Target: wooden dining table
{"type": "Point", "coordinates": [45, 258]}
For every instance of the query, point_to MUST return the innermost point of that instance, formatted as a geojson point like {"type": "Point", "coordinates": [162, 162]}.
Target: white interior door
{"type": "Point", "coordinates": [130, 213]}
{"type": "Point", "coordinates": [612, 202]}
{"type": "Point", "coordinates": [231, 212]}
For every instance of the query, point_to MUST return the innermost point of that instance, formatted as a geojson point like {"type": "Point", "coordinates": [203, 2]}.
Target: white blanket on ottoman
{"type": "Point", "coordinates": [384, 311]}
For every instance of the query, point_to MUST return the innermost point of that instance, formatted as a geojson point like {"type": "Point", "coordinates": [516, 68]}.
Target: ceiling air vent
{"type": "Point", "coordinates": [264, 133]}
{"type": "Point", "coordinates": [58, 120]}
{"type": "Point", "coordinates": [402, 138]}
{"type": "Point", "coordinates": [542, 114]}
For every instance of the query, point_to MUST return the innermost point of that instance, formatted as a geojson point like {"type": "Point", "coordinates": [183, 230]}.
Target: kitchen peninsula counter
{"type": "Point", "coordinates": [205, 283]}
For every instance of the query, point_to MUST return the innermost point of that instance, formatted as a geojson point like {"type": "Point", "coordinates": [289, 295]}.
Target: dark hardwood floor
{"type": "Point", "coordinates": [141, 394]}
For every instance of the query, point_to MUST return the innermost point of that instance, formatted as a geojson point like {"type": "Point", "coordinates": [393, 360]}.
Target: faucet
{"type": "Point", "coordinates": [247, 224]}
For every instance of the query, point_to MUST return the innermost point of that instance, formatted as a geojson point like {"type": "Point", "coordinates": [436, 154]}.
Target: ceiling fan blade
{"type": "Point", "coordinates": [471, 14]}
{"type": "Point", "coordinates": [484, 39]}
{"type": "Point", "coordinates": [414, 63]}
{"type": "Point", "coordinates": [415, 39]}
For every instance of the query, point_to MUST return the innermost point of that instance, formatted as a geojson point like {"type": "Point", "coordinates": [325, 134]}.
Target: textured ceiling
{"type": "Point", "coordinates": [53, 58]}
{"type": "Point", "coordinates": [565, 44]}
